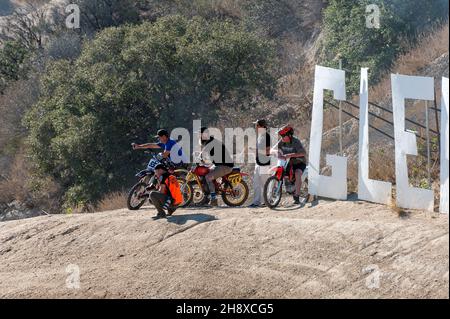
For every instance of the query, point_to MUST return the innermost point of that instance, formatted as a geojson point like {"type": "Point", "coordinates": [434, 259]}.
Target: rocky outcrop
{"type": "Point", "coordinates": [17, 210]}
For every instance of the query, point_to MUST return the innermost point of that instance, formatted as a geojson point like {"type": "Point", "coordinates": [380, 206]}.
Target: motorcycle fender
{"type": "Point", "coordinates": [279, 172]}
{"type": "Point", "coordinates": [193, 178]}
{"type": "Point", "coordinates": [190, 177]}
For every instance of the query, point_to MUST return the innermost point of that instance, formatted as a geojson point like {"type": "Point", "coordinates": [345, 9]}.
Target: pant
{"type": "Point", "coordinates": [260, 176]}
{"type": "Point", "coordinates": [158, 199]}
{"type": "Point", "coordinates": [214, 173]}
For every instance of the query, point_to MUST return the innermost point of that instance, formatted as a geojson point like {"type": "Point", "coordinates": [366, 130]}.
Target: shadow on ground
{"type": "Point", "coordinates": [183, 219]}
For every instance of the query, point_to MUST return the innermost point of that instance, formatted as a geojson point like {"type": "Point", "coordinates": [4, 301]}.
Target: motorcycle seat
{"type": "Point", "coordinates": [236, 170]}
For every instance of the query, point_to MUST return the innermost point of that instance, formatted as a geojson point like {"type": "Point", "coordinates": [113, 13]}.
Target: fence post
{"type": "Point", "coordinates": [340, 119]}
{"type": "Point", "coordinates": [428, 143]}
{"type": "Point", "coordinates": [438, 128]}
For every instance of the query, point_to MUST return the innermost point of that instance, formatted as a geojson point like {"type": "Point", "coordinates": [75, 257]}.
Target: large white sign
{"type": "Point", "coordinates": [444, 147]}
{"type": "Point", "coordinates": [403, 88]}
{"type": "Point", "coordinates": [368, 189]}
{"type": "Point", "coordinates": [334, 186]}
{"type": "Point", "coordinates": [417, 88]}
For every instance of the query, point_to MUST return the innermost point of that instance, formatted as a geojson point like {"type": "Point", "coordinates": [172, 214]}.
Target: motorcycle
{"type": "Point", "coordinates": [140, 192]}
{"type": "Point", "coordinates": [232, 187]}
{"type": "Point", "coordinates": [283, 173]}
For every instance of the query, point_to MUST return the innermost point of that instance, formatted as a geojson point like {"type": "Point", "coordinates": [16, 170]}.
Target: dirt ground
{"type": "Point", "coordinates": [333, 250]}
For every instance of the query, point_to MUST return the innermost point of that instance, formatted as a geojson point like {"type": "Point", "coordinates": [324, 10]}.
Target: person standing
{"type": "Point", "coordinates": [261, 173]}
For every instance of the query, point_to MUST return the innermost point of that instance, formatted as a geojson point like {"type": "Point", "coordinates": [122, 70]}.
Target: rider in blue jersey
{"type": "Point", "coordinates": [171, 149]}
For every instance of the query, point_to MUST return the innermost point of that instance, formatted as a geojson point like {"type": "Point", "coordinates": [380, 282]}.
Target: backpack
{"type": "Point", "coordinates": [174, 190]}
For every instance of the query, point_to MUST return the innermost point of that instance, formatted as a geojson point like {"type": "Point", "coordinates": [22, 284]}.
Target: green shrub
{"type": "Point", "coordinates": [348, 38]}
{"type": "Point", "coordinates": [99, 14]}
{"type": "Point", "coordinates": [13, 62]}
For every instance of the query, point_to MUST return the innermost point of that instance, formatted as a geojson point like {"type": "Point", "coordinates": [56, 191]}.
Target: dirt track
{"type": "Point", "coordinates": [333, 250]}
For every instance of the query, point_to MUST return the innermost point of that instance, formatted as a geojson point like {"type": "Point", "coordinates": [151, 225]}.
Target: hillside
{"type": "Point", "coordinates": [327, 251]}
{"type": "Point", "coordinates": [428, 58]}
{"type": "Point", "coordinates": [136, 66]}
{"type": "Point", "coordinates": [220, 60]}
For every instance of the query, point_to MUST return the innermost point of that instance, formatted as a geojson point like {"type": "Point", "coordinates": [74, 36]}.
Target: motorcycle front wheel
{"type": "Point", "coordinates": [199, 197]}
{"type": "Point", "coordinates": [186, 191]}
{"type": "Point", "coordinates": [137, 196]}
{"type": "Point", "coordinates": [273, 191]}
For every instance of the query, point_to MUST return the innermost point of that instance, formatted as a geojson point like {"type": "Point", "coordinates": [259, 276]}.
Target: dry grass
{"type": "Point", "coordinates": [14, 186]}
{"type": "Point", "coordinates": [17, 3]}
{"type": "Point", "coordinates": [228, 8]}
{"type": "Point", "coordinates": [430, 46]}
{"type": "Point", "coordinates": [382, 165]}
{"type": "Point", "coordinates": [15, 101]}
{"type": "Point", "coordinates": [112, 201]}
{"type": "Point", "coordinates": [19, 185]}
{"type": "Point", "coordinates": [402, 213]}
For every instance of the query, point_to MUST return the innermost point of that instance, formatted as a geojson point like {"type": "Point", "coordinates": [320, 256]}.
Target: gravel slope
{"type": "Point", "coordinates": [327, 251]}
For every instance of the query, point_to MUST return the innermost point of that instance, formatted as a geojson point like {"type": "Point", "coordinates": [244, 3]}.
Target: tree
{"type": "Point", "coordinates": [348, 38]}
{"type": "Point", "coordinates": [100, 14]}
{"type": "Point", "coordinates": [413, 17]}
{"type": "Point", "coordinates": [13, 58]}
{"type": "Point", "coordinates": [129, 82]}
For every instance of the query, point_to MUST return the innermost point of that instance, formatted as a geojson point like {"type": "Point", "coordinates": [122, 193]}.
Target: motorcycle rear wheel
{"type": "Point", "coordinates": [242, 189]}
{"type": "Point", "coordinates": [199, 198]}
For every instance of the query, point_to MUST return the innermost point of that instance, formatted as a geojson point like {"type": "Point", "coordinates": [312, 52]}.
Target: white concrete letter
{"type": "Point", "coordinates": [334, 186]}
{"type": "Point", "coordinates": [444, 147]}
{"type": "Point", "coordinates": [368, 189]}
{"type": "Point", "coordinates": [418, 88]}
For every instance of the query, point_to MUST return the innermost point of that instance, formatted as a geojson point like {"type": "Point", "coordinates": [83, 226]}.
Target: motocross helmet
{"type": "Point", "coordinates": [286, 131]}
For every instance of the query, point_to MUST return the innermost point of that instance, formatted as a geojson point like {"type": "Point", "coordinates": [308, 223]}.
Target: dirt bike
{"type": "Point", "coordinates": [232, 187]}
{"type": "Point", "coordinates": [283, 173]}
{"type": "Point", "coordinates": [140, 192]}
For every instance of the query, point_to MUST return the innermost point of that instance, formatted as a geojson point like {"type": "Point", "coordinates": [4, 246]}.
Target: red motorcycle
{"type": "Point", "coordinates": [232, 187]}
{"type": "Point", "coordinates": [283, 174]}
